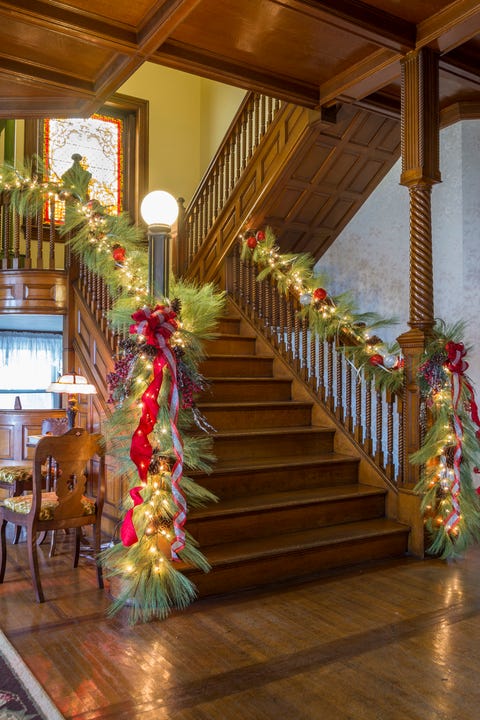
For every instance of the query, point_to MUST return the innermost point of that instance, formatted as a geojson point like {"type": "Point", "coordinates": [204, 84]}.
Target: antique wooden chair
{"type": "Point", "coordinates": [65, 506]}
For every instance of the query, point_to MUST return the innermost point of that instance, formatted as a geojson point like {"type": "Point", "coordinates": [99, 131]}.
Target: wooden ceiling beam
{"type": "Point", "coordinates": [359, 19]}
{"type": "Point", "coordinates": [21, 71]}
{"type": "Point", "coordinates": [375, 71]}
{"type": "Point", "coordinates": [84, 26]}
{"type": "Point", "coordinates": [197, 62]}
{"type": "Point", "coordinates": [459, 64]}
{"type": "Point", "coordinates": [160, 25]}
{"type": "Point", "coordinates": [451, 27]}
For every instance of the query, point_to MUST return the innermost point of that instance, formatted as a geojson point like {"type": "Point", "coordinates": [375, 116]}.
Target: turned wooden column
{"type": "Point", "coordinates": [420, 171]}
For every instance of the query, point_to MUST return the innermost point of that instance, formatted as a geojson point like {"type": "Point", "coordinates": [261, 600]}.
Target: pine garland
{"type": "Point", "coordinates": [450, 453]}
{"type": "Point", "coordinates": [150, 585]}
{"type": "Point", "coordinates": [329, 317]}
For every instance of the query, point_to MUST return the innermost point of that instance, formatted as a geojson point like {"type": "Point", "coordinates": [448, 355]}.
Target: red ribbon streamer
{"type": "Point", "coordinates": [458, 366]}
{"type": "Point", "coordinates": [157, 326]}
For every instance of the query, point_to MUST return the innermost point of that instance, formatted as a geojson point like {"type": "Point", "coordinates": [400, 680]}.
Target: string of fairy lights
{"type": "Point", "coordinates": [450, 453]}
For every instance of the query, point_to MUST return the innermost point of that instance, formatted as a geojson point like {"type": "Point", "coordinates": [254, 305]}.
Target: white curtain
{"type": "Point", "coordinates": [29, 360]}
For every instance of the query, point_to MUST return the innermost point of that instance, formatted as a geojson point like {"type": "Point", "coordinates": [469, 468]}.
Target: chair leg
{"type": "Point", "coordinates": [96, 551]}
{"type": "Point", "coordinates": [76, 551]}
{"type": "Point", "coordinates": [33, 561]}
{"type": "Point", "coordinates": [16, 537]}
{"type": "Point", "coordinates": [3, 549]}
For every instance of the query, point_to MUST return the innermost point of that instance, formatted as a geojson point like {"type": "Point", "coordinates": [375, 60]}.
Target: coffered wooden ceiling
{"type": "Point", "coordinates": [66, 58]}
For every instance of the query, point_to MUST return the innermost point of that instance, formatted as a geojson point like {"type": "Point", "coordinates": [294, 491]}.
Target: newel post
{"type": "Point", "coordinates": [420, 171]}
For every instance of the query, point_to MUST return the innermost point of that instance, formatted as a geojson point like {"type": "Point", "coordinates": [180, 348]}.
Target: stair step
{"type": "Point", "coordinates": [232, 389]}
{"type": "Point", "coordinates": [236, 344]}
{"type": "Point", "coordinates": [270, 442]}
{"type": "Point", "coordinates": [240, 366]}
{"type": "Point", "coordinates": [247, 476]}
{"type": "Point", "coordinates": [241, 415]}
{"type": "Point", "coordinates": [229, 325]}
{"type": "Point", "coordinates": [250, 563]}
{"type": "Point", "coordinates": [291, 511]}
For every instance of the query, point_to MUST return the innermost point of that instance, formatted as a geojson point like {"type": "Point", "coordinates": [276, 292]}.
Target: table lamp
{"type": "Point", "coordinates": [72, 385]}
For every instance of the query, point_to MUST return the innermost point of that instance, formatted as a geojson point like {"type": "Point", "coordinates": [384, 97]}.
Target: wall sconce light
{"type": "Point", "coordinates": [159, 210]}
{"type": "Point", "coordinates": [72, 385]}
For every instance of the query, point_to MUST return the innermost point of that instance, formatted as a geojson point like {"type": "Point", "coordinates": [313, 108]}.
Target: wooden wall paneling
{"type": "Point", "coordinates": [15, 427]}
{"type": "Point", "coordinates": [33, 291]}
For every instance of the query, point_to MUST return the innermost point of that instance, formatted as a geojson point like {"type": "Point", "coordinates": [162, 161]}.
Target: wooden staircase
{"type": "Point", "coordinates": [290, 506]}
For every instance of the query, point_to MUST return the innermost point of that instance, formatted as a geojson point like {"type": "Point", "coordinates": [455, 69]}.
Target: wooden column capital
{"type": "Point", "coordinates": [420, 118]}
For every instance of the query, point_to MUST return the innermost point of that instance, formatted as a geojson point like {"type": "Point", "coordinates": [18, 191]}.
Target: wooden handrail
{"type": "Point", "coordinates": [244, 135]}
{"type": "Point", "coordinates": [372, 417]}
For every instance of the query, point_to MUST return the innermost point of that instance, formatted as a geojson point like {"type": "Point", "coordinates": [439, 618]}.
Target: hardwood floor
{"type": "Point", "coordinates": [389, 641]}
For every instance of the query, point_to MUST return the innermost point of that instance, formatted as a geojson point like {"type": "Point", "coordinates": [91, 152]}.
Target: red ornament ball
{"type": "Point", "coordinates": [252, 242]}
{"type": "Point", "coordinates": [376, 359]}
{"type": "Point", "coordinates": [260, 236]}
{"type": "Point", "coordinates": [319, 294]}
{"type": "Point", "coordinates": [119, 254]}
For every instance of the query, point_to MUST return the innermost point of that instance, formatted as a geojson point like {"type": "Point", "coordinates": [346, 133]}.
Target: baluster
{"type": "Point", "coordinates": [275, 313]}
{"type": "Point", "coordinates": [263, 123]}
{"type": "Point", "coordinates": [216, 192]}
{"type": "Point", "coordinates": [321, 369]}
{"type": "Point", "coordinates": [256, 116]}
{"type": "Point", "coordinates": [256, 292]}
{"type": "Point", "coordinates": [288, 340]}
{"type": "Point", "coordinates": [389, 466]}
{"type": "Point", "coordinates": [7, 235]}
{"type": "Point", "coordinates": [16, 240]}
{"type": "Point", "coordinates": [221, 182]}
{"type": "Point", "coordinates": [3, 243]}
{"type": "Point", "coordinates": [235, 278]}
{"type": "Point", "coordinates": [241, 282]}
{"type": "Point", "coordinates": [401, 438]}
{"type": "Point", "coordinates": [367, 442]}
{"type": "Point", "coordinates": [313, 360]}
{"type": "Point", "coordinates": [339, 411]}
{"type": "Point", "coordinates": [250, 131]}
{"type": "Point", "coordinates": [348, 398]}
{"type": "Point", "coordinates": [330, 400]}
{"type": "Point", "coordinates": [28, 242]}
{"type": "Point", "coordinates": [269, 110]}
{"type": "Point", "coordinates": [282, 314]}
{"type": "Point", "coordinates": [304, 362]}
{"type": "Point", "coordinates": [379, 429]}
{"type": "Point", "coordinates": [296, 337]}
{"type": "Point", "coordinates": [358, 429]}
{"type": "Point", "coordinates": [51, 235]}
{"type": "Point", "coordinates": [40, 240]}
{"type": "Point", "coordinates": [267, 321]}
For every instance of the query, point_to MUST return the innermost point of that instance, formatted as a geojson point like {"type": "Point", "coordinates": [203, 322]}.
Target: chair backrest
{"type": "Point", "coordinates": [54, 426]}
{"type": "Point", "coordinates": [70, 455]}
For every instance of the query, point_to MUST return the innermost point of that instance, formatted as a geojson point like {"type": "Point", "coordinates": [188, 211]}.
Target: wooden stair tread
{"type": "Point", "coordinates": [293, 461]}
{"type": "Point", "coordinates": [296, 430]}
{"type": "Point", "coordinates": [231, 404]}
{"type": "Point", "coordinates": [273, 545]}
{"type": "Point", "coordinates": [288, 498]}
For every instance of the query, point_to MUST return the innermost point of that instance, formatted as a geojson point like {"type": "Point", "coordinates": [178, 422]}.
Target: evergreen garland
{"type": "Point", "coordinates": [149, 584]}
{"type": "Point", "coordinates": [450, 453]}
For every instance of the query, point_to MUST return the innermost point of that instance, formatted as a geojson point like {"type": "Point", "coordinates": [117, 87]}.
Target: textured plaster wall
{"type": "Point", "coordinates": [371, 256]}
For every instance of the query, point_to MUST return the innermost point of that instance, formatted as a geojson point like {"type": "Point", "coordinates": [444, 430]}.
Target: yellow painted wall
{"type": "Point", "coordinates": [188, 119]}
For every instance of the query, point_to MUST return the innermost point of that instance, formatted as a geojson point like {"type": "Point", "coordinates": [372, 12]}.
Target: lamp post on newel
{"type": "Point", "coordinates": [159, 210]}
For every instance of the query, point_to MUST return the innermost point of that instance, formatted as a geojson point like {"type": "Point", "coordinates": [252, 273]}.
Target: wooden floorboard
{"type": "Point", "coordinates": [389, 641]}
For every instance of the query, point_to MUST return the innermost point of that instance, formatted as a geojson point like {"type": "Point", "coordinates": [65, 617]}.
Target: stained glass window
{"type": "Point", "coordinates": [98, 140]}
